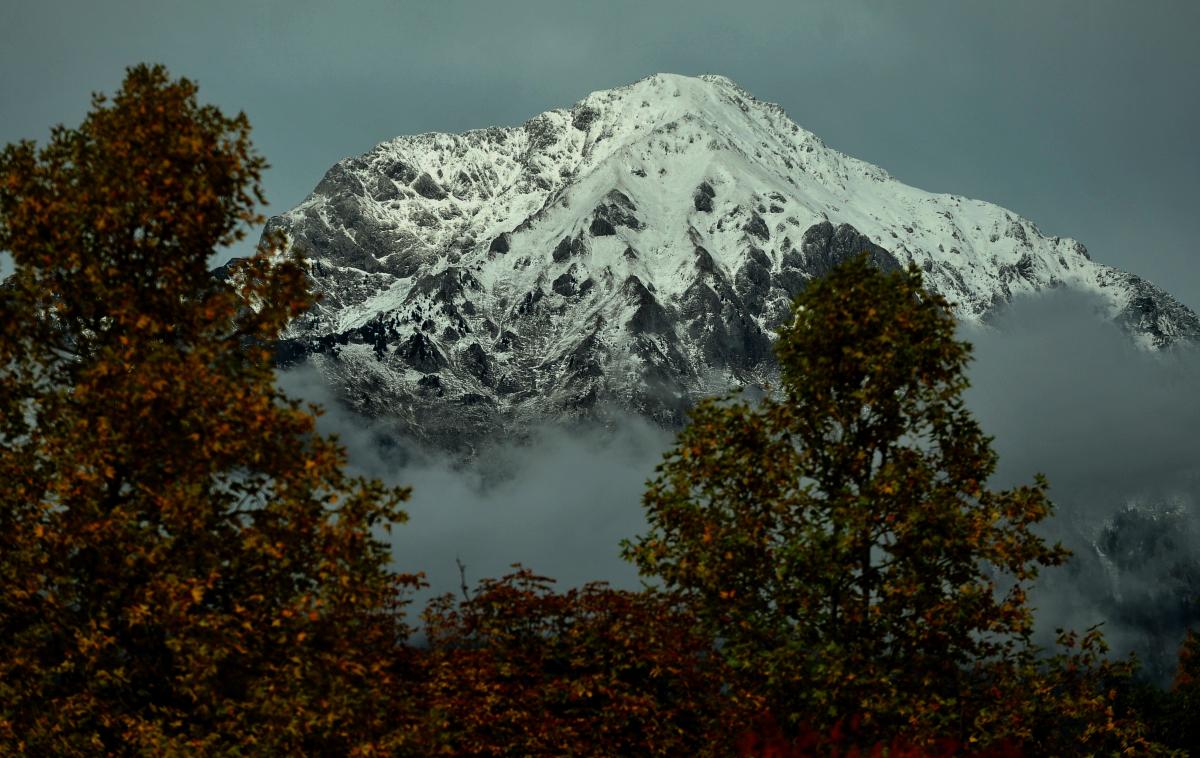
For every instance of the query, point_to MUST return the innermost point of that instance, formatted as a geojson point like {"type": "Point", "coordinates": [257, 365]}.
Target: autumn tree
{"type": "Point", "coordinates": [1185, 695]}
{"type": "Point", "coordinates": [839, 536]}
{"type": "Point", "coordinates": [184, 564]}
{"type": "Point", "coordinates": [521, 669]}
{"type": "Point", "coordinates": [1173, 714]}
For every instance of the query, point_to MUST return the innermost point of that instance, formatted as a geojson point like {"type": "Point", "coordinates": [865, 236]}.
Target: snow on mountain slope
{"type": "Point", "coordinates": [635, 251]}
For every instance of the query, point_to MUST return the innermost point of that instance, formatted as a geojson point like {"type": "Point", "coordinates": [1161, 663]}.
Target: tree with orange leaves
{"type": "Point", "coordinates": [184, 564]}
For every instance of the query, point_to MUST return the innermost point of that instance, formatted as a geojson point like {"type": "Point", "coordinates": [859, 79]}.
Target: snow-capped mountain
{"type": "Point", "coordinates": [634, 251]}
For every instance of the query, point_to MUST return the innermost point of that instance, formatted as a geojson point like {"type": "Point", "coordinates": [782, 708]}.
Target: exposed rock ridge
{"type": "Point", "coordinates": [635, 251]}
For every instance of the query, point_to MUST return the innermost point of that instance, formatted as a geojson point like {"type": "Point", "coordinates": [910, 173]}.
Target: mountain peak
{"type": "Point", "coordinates": [665, 88]}
{"type": "Point", "coordinates": [637, 249]}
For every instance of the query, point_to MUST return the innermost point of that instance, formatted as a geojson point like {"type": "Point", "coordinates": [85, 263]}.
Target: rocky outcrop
{"type": "Point", "coordinates": [823, 246]}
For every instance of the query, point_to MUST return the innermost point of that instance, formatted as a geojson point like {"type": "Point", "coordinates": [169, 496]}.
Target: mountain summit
{"type": "Point", "coordinates": [635, 251]}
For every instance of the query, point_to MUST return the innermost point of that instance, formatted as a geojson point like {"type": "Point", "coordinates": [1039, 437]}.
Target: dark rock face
{"type": "Point", "coordinates": [431, 385]}
{"type": "Point", "coordinates": [446, 285]}
{"type": "Point", "coordinates": [736, 341]}
{"type": "Point", "coordinates": [756, 227]}
{"type": "Point", "coordinates": [507, 341]}
{"type": "Point", "coordinates": [501, 243]}
{"type": "Point", "coordinates": [585, 359]}
{"type": "Point", "coordinates": [699, 300]}
{"type": "Point", "coordinates": [1155, 313]}
{"type": "Point", "coordinates": [399, 172]}
{"type": "Point", "coordinates": [704, 261]}
{"type": "Point", "coordinates": [824, 247]}
{"type": "Point", "coordinates": [341, 180]}
{"type": "Point", "coordinates": [477, 363]}
{"type": "Point", "coordinates": [426, 186]}
{"type": "Point", "coordinates": [703, 197]}
{"type": "Point", "coordinates": [602, 228]}
{"type": "Point", "coordinates": [382, 189]}
{"type": "Point", "coordinates": [311, 236]}
{"type": "Point", "coordinates": [568, 248]}
{"type": "Point", "coordinates": [529, 303]}
{"type": "Point", "coordinates": [616, 210]}
{"type": "Point", "coordinates": [753, 280]}
{"type": "Point", "coordinates": [582, 117]}
{"type": "Point", "coordinates": [564, 285]}
{"type": "Point", "coordinates": [650, 316]}
{"type": "Point", "coordinates": [717, 319]}
{"type": "Point", "coordinates": [792, 281]}
{"type": "Point", "coordinates": [420, 353]}
{"type": "Point", "coordinates": [474, 398]}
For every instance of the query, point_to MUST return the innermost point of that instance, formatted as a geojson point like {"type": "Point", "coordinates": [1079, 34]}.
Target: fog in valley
{"type": "Point", "coordinates": [1115, 430]}
{"type": "Point", "coordinates": [1063, 391]}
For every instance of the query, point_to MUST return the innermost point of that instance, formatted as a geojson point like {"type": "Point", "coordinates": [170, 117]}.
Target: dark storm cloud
{"type": "Point", "coordinates": [1079, 115]}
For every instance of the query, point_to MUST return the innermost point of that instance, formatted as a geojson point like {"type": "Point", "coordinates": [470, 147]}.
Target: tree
{"type": "Point", "coordinates": [1173, 715]}
{"type": "Point", "coordinates": [839, 537]}
{"type": "Point", "coordinates": [518, 669]}
{"type": "Point", "coordinates": [1182, 727]}
{"type": "Point", "coordinates": [184, 564]}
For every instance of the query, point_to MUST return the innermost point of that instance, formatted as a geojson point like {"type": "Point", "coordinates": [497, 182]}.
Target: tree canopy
{"type": "Point", "coordinates": [184, 563]}
{"type": "Point", "coordinates": [839, 536]}
{"type": "Point", "coordinates": [518, 669]}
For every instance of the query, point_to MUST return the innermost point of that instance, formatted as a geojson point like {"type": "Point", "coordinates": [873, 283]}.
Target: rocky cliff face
{"type": "Point", "coordinates": [636, 252]}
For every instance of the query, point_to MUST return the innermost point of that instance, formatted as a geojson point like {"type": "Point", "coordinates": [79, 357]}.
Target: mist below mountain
{"type": "Point", "coordinates": [1062, 390]}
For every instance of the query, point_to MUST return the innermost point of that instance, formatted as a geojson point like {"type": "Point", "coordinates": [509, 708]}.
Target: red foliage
{"type": "Point", "coordinates": [767, 740]}
{"type": "Point", "coordinates": [519, 669]}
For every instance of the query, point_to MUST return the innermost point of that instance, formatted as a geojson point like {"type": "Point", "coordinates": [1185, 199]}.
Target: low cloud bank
{"type": "Point", "coordinates": [559, 504]}
{"type": "Point", "coordinates": [1116, 430]}
{"type": "Point", "coordinates": [1063, 392]}
{"type": "Point", "coordinates": [1067, 393]}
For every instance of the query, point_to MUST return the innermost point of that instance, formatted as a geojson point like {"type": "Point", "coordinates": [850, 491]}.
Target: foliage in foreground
{"type": "Point", "coordinates": [184, 564]}
{"type": "Point", "coordinates": [518, 669]}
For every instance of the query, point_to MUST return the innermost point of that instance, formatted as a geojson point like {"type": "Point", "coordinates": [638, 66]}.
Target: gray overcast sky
{"type": "Point", "coordinates": [1080, 115]}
